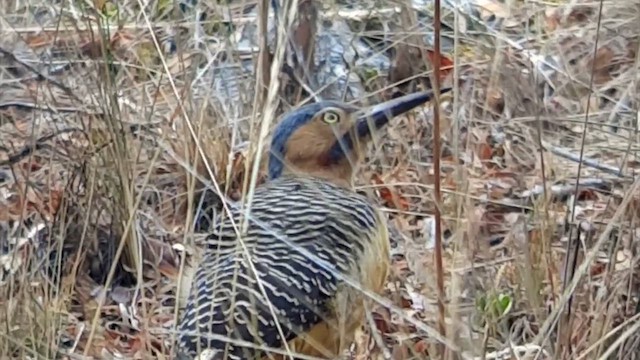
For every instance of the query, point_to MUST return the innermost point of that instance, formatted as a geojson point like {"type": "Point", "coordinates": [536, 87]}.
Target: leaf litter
{"type": "Point", "coordinates": [524, 71]}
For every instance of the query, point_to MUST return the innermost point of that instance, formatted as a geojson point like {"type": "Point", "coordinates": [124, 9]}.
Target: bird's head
{"type": "Point", "coordinates": [326, 139]}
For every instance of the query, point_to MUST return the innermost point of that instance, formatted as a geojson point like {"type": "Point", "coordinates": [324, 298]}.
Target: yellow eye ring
{"type": "Point", "coordinates": [330, 117]}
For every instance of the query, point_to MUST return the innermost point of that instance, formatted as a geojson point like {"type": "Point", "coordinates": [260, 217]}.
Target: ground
{"type": "Point", "coordinates": [115, 116]}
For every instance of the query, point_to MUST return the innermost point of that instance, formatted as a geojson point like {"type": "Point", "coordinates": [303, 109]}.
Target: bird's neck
{"type": "Point", "coordinates": [339, 175]}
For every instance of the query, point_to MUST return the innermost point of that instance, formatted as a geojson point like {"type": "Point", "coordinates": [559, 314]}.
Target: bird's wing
{"type": "Point", "coordinates": [290, 221]}
{"type": "Point", "coordinates": [235, 304]}
{"type": "Point", "coordinates": [292, 290]}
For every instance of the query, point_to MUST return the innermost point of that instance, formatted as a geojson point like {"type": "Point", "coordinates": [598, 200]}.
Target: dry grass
{"type": "Point", "coordinates": [112, 124]}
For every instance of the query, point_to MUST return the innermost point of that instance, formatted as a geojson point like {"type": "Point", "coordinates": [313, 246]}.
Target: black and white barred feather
{"type": "Point", "coordinates": [290, 218]}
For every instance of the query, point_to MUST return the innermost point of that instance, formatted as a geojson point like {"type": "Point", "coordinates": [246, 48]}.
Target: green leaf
{"type": "Point", "coordinates": [505, 303]}
{"type": "Point", "coordinates": [110, 10]}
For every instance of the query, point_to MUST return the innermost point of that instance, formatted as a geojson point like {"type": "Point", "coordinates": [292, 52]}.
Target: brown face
{"type": "Point", "coordinates": [327, 139]}
{"type": "Point", "coordinates": [308, 149]}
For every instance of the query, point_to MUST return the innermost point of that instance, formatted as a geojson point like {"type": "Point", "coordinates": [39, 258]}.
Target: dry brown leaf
{"type": "Point", "coordinates": [579, 14]}
{"type": "Point", "coordinates": [382, 320]}
{"type": "Point", "coordinates": [421, 346]}
{"type": "Point", "coordinates": [600, 65]}
{"type": "Point", "coordinates": [400, 352]}
{"type": "Point", "coordinates": [446, 64]}
{"type": "Point", "coordinates": [495, 100]}
{"type": "Point", "coordinates": [485, 152]}
{"type": "Point", "coordinates": [565, 17]}
{"type": "Point", "coordinates": [390, 196]}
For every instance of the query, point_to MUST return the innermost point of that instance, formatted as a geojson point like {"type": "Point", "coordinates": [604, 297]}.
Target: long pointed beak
{"type": "Point", "coordinates": [377, 116]}
{"type": "Point", "coordinates": [369, 120]}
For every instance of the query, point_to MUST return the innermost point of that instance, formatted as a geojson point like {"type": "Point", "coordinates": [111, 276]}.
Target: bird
{"type": "Point", "coordinates": [293, 283]}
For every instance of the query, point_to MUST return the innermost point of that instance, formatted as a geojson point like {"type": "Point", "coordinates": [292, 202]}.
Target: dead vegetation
{"type": "Point", "coordinates": [121, 125]}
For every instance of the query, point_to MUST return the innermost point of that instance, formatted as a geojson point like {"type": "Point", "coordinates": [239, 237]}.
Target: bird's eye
{"type": "Point", "coordinates": [330, 117]}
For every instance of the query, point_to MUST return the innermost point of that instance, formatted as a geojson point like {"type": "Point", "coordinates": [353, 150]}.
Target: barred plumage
{"type": "Point", "coordinates": [334, 224]}
{"type": "Point", "coordinates": [299, 277]}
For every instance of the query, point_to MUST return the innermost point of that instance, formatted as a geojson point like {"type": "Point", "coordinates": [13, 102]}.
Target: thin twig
{"type": "Point", "coordinates": [582, 161]}
{"type": "Point", "coordinates": [436, 172]}
{"type": "Point", "coordinates": [39, 74]}
{"type": "Point", "coordinates": [564, 323]}
{"type": "Point", "coordinates": [30, 149]}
